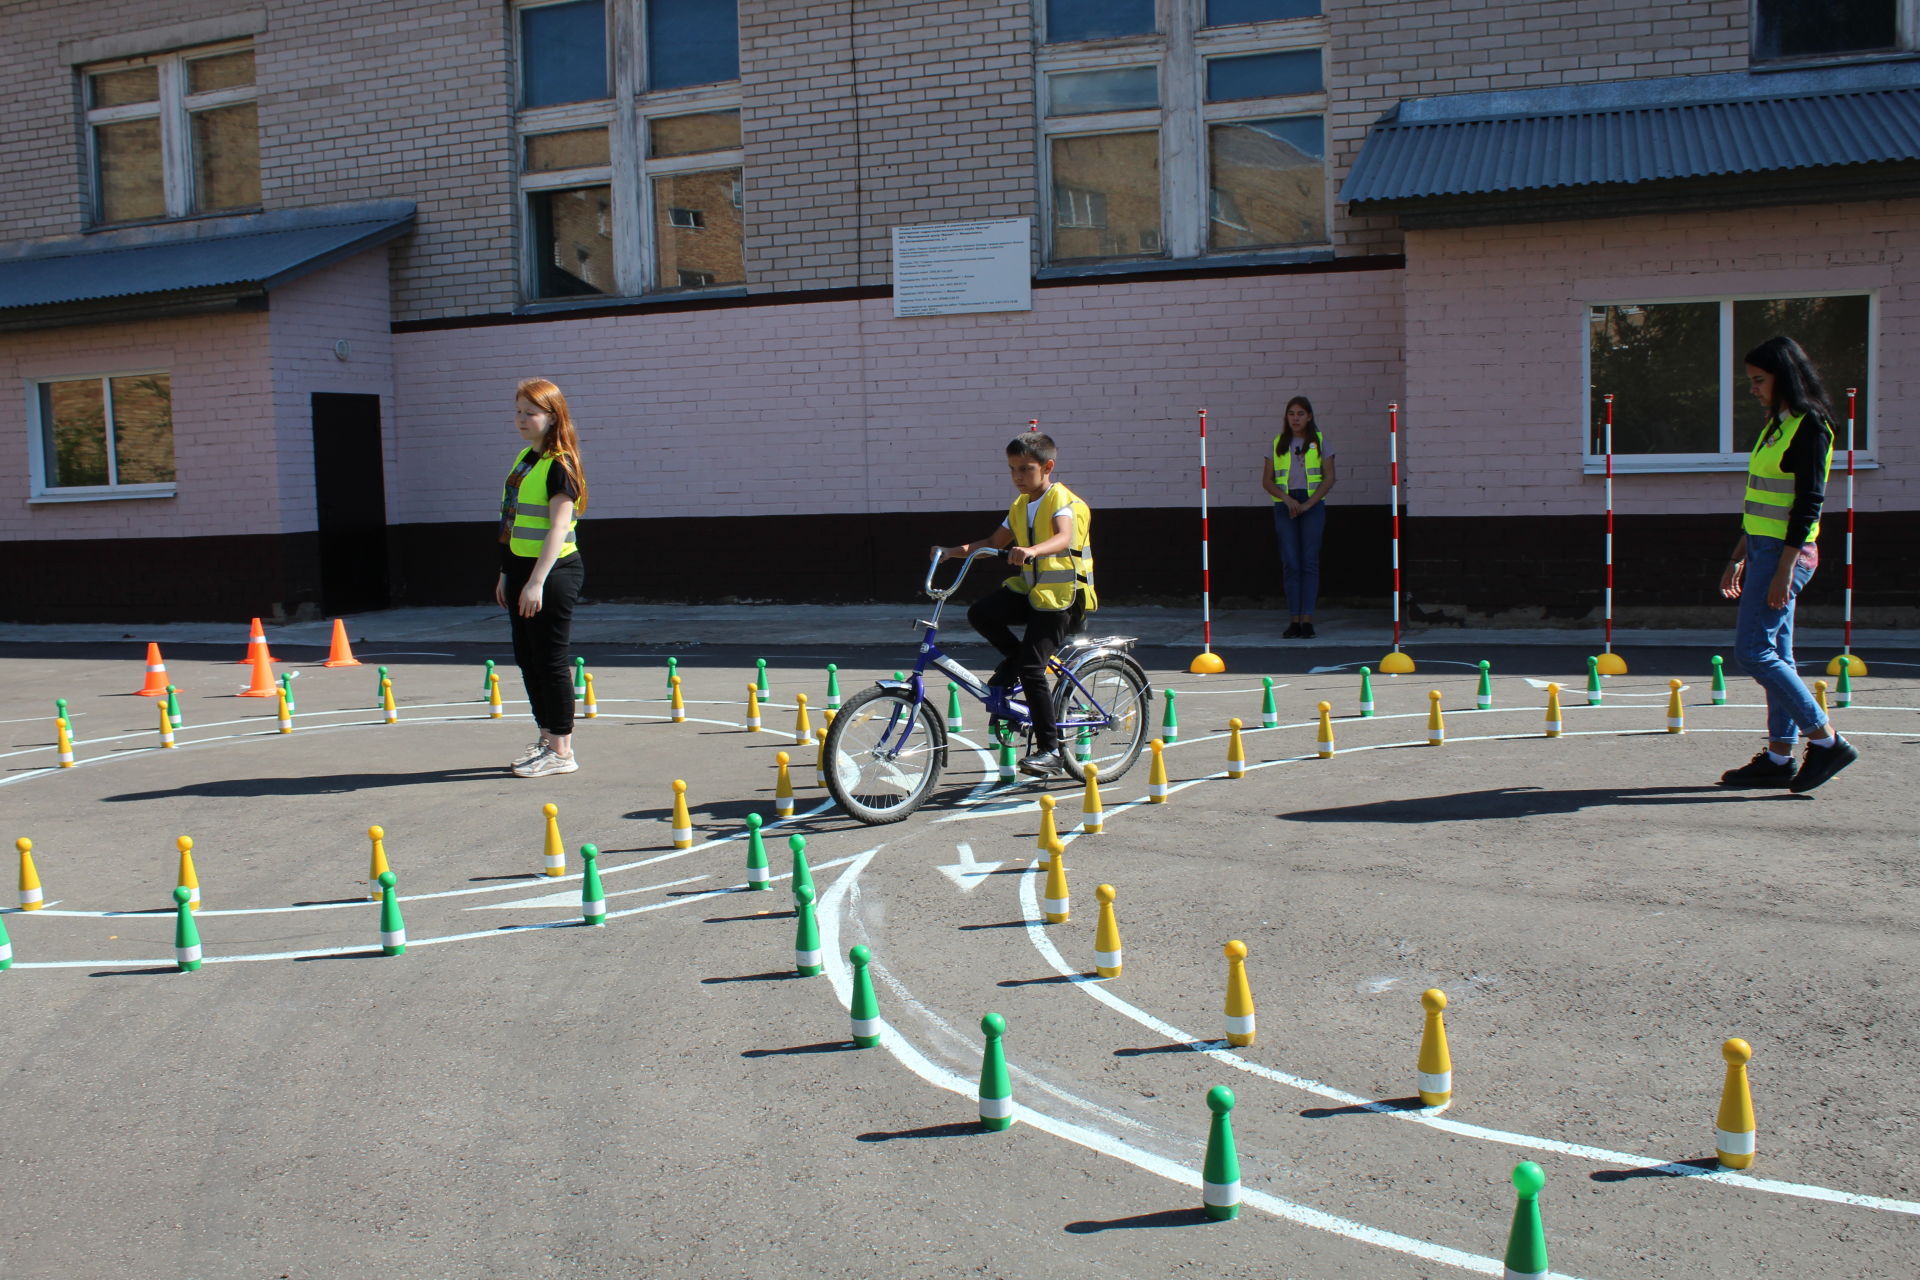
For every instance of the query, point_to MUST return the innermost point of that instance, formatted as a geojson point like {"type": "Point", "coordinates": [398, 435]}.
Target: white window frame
{"type": "Point", "coordinates": [1733, 393]}
{"type": "Point", "coordinates": [1906, 29]}
{"type": "Point", "coordinates": [1180, 50]}
{"type": "Point", "coordinates": [41, 492]}
{"type": "Point", "coordinates": [175, 108]}
{"type": "Point", "coordinates": [627, 117]}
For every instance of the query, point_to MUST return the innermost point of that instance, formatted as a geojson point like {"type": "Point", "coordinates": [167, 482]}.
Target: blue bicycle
{"type": "Point", "coordinates": [888, 744]}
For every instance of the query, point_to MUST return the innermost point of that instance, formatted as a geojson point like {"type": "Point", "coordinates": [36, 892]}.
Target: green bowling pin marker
{"type": "Point", "coordinates": [173, 708]}
{"type": "Point", "coordinates": [1483, 697]}
{"type": "Point", "coordinates": [60, 709]}
{"type": "Point", "coordinates": [806, 934]}
{"type": "Point", "coordinates": [393, 930]}
{"type": "Point", "coordinates": [6, 953]}
{"type": "Point", "coordinates": [756, 854]}
{"type": "Point", "coordinates": [802, 875]}
{"type": "Point", "coordinates": [833, 687]}
{"type": "Point", "coordinates": [186, 934]}
{"type": "Point", "coordinates": [1170, 723]}
{"type": "Point", "coordinates": [1220, 1175]}
{"type": "Point", "coordinates": [760, 668]}
{"type": "Point", "coordinates": [1269, 709]}
{"type": "Point", "coordinates": [1593, 682]}
{"type": "Point", "coordinates": [486, 682]}
{"type": "Point", "coordinates": [1366, 691]}
{"type": "Point", "coordinates": [996, 1090]}
{"type": "Point", "coordinates": [953, 708]}
{"type": "Point", "coordinates": [579, 678]}
{"type": "Point", "coordinates": [1527, 1242]}
{"type": "Point", "coordinates": [1720, 681]}
{"type": "Point", "coordinates": [1843, 696]}
{"type": "Point", "coordinates": [286, 687]}
{"type": "Point", "coordinates": [1008, 769]}
{"type": "Point", "coordinates": [593, 899]}
{"type": "Point", "coordinates": [673, 669]}
{"type": "Point", "coordinates": [1083, 746]}
{"type": "Point", "coordinates": [865, 1009]}
{"type": "Point", "coordinates": [380, 687]}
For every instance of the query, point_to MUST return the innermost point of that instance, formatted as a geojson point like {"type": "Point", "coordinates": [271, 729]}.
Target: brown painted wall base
{"type": "Point", "coordinates": [1517, 570]}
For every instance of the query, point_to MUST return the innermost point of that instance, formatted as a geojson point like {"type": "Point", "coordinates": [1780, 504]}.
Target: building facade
{"type": "Point", "coordinates": [271, 272]}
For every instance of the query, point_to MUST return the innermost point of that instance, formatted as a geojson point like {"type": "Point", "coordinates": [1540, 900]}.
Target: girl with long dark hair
{"type": "Point", "coordinates": [540, 569]}
{"type": "Point", "coordinates": [1774, 560]}
{"type": "Point", "coordinates": [1298, 475]}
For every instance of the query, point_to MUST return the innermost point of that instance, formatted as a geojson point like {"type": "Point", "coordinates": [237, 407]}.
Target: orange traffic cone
{"type": "Point", "coordinates": [341, 655]}
{"type": "Point", "coordinates": [156, 685]}
{"type": "Point", "coordinates": [263, 685]}
{"type": "Point", "coordinates": [256, 643]}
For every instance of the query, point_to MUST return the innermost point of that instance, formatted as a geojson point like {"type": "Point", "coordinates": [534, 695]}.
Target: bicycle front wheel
{"type": "Point", "coordinates": [884, 755]}
{"type": "Point", "coordinates": [1114, 702]}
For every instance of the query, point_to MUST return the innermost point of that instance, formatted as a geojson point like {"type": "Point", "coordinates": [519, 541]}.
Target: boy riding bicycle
{"type": "Point", "coordinates": [1046, 533]}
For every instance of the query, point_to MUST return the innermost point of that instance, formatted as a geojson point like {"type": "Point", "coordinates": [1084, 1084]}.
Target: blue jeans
{"type": "Point", "coordinates": [1300, 552]}
{"type": "Point", "coordinates": [1763, 640]}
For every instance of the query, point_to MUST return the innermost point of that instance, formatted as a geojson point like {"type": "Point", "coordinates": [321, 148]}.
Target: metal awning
{"type": "Point", "coordinates": [179, 267]}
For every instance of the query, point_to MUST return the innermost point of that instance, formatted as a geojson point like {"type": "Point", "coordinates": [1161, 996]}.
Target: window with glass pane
{"type": "Point", "coordinates": [73, 426]}
{"type": "Point", "coordinates": [143, 429]}
{"type": "Point", "coordinates": [563, 53]}
{"type": "Point", "coordinates": [1069, 20]}
{"type": "Point", "coordinates": [572, 241]}
{"type": "Point", "coordinates": [1079, 93]}
{"type": "Point", "coordinates": [128, 173]}
{"type": "Point", "coordinates": [232, 70]}
{"type": "Point", "coordinates": [226, 158]}
{"type": "Point", "coordinates": [1227, 13]}
{"type": "Point", "coordinates": [1263, 75]}
{"type": "Point", "coordinates": [1267, 183]}
{"type": "Point", "coordinates": [697, 230]}
{"type": "Point", "coordinates": [125, 88]}
{"type": "Point", "coordinates": [692, 42]}
{"type": "Point", "coordinates": [1661, 363]}
{"type": "Point", "coordinates": [570, 149]}
{"type": "Point", "coordinates": [692, 135]}
{"type": "Point", "coordinates": [1797, 29]}
{"type": "Point", "coordinates": [1833, 333]}
{"type": "Point", "coordinates": [1106, 195]}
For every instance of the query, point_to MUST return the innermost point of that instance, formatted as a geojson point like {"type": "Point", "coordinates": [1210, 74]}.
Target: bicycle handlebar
{"type": "Point", "coordinates": [965, 564]}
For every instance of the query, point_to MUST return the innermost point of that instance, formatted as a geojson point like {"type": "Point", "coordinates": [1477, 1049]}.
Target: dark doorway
{"type": "Point", "coordinates": [350, 492]}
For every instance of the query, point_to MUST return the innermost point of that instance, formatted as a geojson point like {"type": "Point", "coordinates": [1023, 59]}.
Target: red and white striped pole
{"type": "Point", "coordinates": [1854, 666]}
{"type": "Point", "coordinates": [1208, 663]}
{"type": "Point", "coordinates": [1395, 663]}
{"type": "Point", "coordinates": [1611, 663]}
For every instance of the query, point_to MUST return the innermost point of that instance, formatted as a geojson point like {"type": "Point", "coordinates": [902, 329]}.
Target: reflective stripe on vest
{"type": "Point", "coordinates": [1769, 496]}
{"type": "Point", "coordinates": [1283, 464]}
{"type": "Point", "coordinates": [1051, 582]}
{"type": "Point", "coordinates": [532, 517]}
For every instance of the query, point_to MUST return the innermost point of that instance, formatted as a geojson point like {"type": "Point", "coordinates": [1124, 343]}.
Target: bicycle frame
{"type": "Point", "coordinates": [931, 655]}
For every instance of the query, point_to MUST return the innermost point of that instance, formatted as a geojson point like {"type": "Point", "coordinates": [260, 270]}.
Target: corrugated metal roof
{"type": "Point", "coordinates": [266, 253]}
{"type": "Point", "coordinates": [1431, 151]}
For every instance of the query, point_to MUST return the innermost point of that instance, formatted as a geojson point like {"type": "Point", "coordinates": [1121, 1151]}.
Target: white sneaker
{"type": "Point", "coordinates": [528, 752]}
{"type": "Point", "coordinates": [547, 762]}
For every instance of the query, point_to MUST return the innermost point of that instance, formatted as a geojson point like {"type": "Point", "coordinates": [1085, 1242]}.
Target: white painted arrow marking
{"type": "Point", "coordinates": [967, 873]}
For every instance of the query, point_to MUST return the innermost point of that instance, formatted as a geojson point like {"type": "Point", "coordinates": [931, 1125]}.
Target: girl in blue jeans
{"type": "Point", "coordinates": [1775, 558]}
{"type": "Point", "coordinates": [1298, 475]}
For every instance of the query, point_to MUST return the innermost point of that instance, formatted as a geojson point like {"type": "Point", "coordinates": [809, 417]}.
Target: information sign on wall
{"type": "Point", "coordinates": [951, 268]}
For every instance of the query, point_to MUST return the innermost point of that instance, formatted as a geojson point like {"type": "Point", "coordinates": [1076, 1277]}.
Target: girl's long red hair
{"type": "Point", "coordinates": [560, 441]}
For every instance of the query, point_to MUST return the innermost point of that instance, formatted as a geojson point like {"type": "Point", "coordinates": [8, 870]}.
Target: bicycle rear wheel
{"type": "Point", "coordinates": [1116, 696]}
{"type": "Point", "coordinates": [884, 755]}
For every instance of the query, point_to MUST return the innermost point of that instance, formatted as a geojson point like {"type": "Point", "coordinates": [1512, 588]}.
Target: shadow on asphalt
{"type": "Point", "coordinates": [1163, 1218]}
{"type": "Point", "coordinates": [1518, 802]}
{"type": "Point", "coordinates": [375, 954]}
{"type": "Point", "coordinates": [830, 1046]}
{"type": "Point", "coordinates": [1004, 924]}
{"type": "Point", "coordinates": [1675, 1169]}
{"type": "Point", "coordinates": [780, 975]}
{"type": "Point", "coordinates": [131, 973]}
{"type": "Point", "coordinates": [319, 785]}
{"type": "Point", "coordinates": [759, 915]}
{"type": "Point", "coordinates": [955, 1129]}
{"type": "Point", "coordinates": [1050, 978]}
{"type": "Point", "coordinates": [1379, 1107]}
{"type": "Point", "coordinates": [1195, 1046]}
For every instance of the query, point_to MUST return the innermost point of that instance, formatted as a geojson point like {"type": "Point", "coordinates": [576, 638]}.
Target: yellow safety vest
{"type": "Point", "coordinates": [531, 515]}
{"type": "Point", "coordinates": [1770, 489]}
{"type": "Point", "coordinates": [1051, 581]}
{"type": "Point", "coordinates": [1283, 464]}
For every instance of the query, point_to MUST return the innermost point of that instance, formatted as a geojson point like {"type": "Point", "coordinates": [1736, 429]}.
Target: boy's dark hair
{"type": "Point", "coordinates": [1796, 387]}
{"type": "Point", "coordinates": [1032, 444]}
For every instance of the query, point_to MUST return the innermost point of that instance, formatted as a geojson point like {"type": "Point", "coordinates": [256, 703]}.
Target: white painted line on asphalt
{"type": "Point", "coordinates": [831, 907]}
{"type": "Point", "coordinates": [1036, 933]}
{"type": "Point", "coordinates": [570, 897]}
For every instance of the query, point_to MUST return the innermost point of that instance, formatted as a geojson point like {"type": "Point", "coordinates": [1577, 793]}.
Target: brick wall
{"type": "Point", "coordinates": [1385, 50]}
{"type": "Point", "coordinates": [1496, 337]}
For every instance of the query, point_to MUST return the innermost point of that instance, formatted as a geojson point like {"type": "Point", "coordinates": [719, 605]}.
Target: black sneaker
{"type": "Point", "coordinates": [1306, 631]}
{"type": "Point", "coordinates": [1759, 772]}
{"type": "Point", "coordinates": [1292, 632]}
{"type": "Point", "coordinates": [1822, 763]}
{"type": "Point", "coordinates": [1043, 763]}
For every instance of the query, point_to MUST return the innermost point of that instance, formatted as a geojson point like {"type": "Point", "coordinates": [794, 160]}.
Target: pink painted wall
{"type": "Point", "coordinates": [828, 407]}
{"type": "Point", "coordinates": [1496, 337]}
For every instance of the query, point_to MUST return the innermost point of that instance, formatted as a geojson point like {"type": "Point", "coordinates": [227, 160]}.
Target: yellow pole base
{"type": "Point", "coordinates": [1207, 664]}
{"type": "Point", "coordinates": [1612, 664]}
{"type": "Point", "coordinates": [1855, 667]}
{"type": "Point", "coordinates": [1396, 664]}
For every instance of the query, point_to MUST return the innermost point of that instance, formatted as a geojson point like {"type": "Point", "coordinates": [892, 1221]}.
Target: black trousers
{"type": "Point", "coordinates": [540, 643]}
{"type": "Point", "coordinates": [994, 616]}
